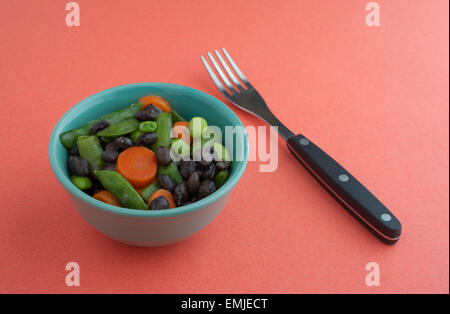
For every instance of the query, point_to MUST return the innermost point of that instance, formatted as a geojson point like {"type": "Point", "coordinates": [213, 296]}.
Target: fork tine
{"type": "Point", "coordinates": [213, 76]}
{"type": "Point", "coordinates": [221, 74]}
{"type": "Point", "coordinates": [235, 67]}
{"type": "Point", "coordinates": [227, 69]}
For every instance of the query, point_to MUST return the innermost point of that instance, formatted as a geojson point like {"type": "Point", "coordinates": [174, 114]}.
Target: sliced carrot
{"type": "Point", "coordinates": [181, 130]}
{"type": "Point", "coordinates": [138, 165]}
{"type": "Point", "coordinates": [106, 197]}
{"type": "Point", "coordinates": [166, 194]}
{"type": "Point", "coordinates": [155, 100]}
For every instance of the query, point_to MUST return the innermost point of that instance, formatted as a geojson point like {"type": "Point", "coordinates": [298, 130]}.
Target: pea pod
{"type": "Point", "coordinates": [121, 128]}
{"type": "Point", "coordinates": [164, 130]}
{"type": "Point", "coordinates": [90, 149]}
{"type": "Point", "coordinates": [172, 171]}
{"type": "Point", "coordinates": [221, 178]}
{"type": "Point", "coordinates": [149, 190]}
{"type": "Point", "coordinates": [176, 117]}
{"type": "Point", "coordinates": [115, 183]}
{"type": "Point", "coordinates": [69, 138]}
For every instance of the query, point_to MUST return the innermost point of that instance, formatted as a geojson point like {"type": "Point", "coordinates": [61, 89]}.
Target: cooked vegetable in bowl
{"type": "Point", "coordinates": [146, 156]}
{"type": "Point", "coordinates": [106, 212]}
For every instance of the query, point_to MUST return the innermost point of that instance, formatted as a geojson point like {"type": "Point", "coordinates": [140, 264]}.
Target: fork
{"type": "Point", "coordinates": [337, 181]}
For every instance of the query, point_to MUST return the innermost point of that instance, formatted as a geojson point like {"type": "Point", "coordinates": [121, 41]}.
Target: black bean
{"type": "Point", "coordinates": [222, 164]}
{"type": "Point", "coordinates": [123, 143]}
{"type": "Point", "coordinates": [163, 156]}
{"type": "Point", "coordinates": [180, 194]}
{"type": "Point", "coordinates": [201, 161]}
{"type": "Point", "coordinates": [74, 151]}
{"type": "Point", "coordinates": [109, 156]}
{"type": "Point", "coordinates": [149, 113]}
{"type": "Point", "coordinates": [147, 139]}
{"type": "Point", "coordinates": [159, 203]}
{"type": "Point", "coordinates": [100, 125]}
{"type": "Point", "coordinates": [209, 172]}
{"type": "Point", "coordinates": [193, 182]}
{"type": "Point", "coordinates": [153, 108]}
{"type": "Point", "coordinates": [204, 163]}
{"type": "Point", "coordinates": [193, 199]}
{"type": "Point", "coordinates": [78, 166]}
{"type": "Point", "coordinates": [206, 188]}
{"type": "Point", "coordinates": [165, 182]}
{"type": "Point", "coordinates": [187, 167]}
{"type": "Point", "coordinates": [109, 166]}
{"type": "Point", "coordinates": [113, 146]}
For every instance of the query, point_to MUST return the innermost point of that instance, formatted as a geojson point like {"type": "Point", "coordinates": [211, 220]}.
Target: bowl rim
{"type": "Point", "coordinates": [67, 184]}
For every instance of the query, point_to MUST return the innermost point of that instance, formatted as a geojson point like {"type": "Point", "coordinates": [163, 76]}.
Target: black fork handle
{"type": "Point", "coordinates": [348, 191]}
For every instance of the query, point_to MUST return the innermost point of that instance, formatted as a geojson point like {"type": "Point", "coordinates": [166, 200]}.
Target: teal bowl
{"type": "Point", "coordinates": [144, 227]}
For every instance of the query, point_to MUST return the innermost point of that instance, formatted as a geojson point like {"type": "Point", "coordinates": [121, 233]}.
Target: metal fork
{"type": "Point", "coordinates": [348, 191]}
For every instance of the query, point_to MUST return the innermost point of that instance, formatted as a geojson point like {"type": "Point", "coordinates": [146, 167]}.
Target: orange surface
{"type": "Point", "coordinates": [376, 99]}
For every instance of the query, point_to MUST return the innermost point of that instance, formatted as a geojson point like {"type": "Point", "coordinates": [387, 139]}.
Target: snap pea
{"type": "Point", "coordinates": [176, 117]}
{"type": "Point", "coordinates": [90, 149]}
{"type": "Point", "coordinates": [115, 183]}
{"type": "Point", "coordinates": [69, 138]}
{"type": "Point", "coordinates": [83, 183]}
{"type": "Point", "coordinates": [148, 126]}
{"type": "Point", "coordinates": [121, 128]}
{"type": "Point", "coordinates": [172, 171]}
{"type": "Point", "coordinates": [221, 178]}
{"type": "Point", "coordinates": [164, 121]}
{"type": "Point", "coordinates": [134, 136]}
{"type": "Point", "coordinates": [149, 190]}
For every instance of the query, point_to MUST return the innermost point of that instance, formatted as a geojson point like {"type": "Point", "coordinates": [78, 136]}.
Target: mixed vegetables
{"type": "Point", "coordinates": [142, 157]}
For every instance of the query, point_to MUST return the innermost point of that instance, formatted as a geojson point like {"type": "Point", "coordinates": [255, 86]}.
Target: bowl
{"type": "Point", "coordinates": [145, 227]}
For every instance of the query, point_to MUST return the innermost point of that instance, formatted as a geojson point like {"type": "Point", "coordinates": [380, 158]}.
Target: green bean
{"type": "Point", "coordinates": [164, 121]}
{"type": "Point", "coordinates": [83, 183]}
{"type": "Point", "coordinates": [149, 190]}
{"type": "Point", "coordinates": [148, 126]}
{"type": "Point", "coordinates": [69, 138]}
{"type": "Point", "coordinates": [122, 128]}
{"type": "Point", "coordinates": [221, 178]}
{"type": "Point", "coordinates": [176, 117]}
{"type": "Point", "coordinates": [172, 171]}
{"type": "Point", "coordinates": [90, 149]}
{"type": "Point", "coordinates": [115, 183]}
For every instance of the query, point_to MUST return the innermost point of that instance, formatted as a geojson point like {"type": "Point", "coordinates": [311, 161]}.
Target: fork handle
{"type": "Point", "coordinates": [348, 191]}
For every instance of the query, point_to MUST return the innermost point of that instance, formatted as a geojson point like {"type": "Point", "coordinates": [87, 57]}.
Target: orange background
{"type": "Point", "coordinates": [376, 99]}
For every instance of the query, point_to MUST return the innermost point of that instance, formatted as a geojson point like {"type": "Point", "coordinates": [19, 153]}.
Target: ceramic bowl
{"type": "Point", "coordinates": [145, 227]}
